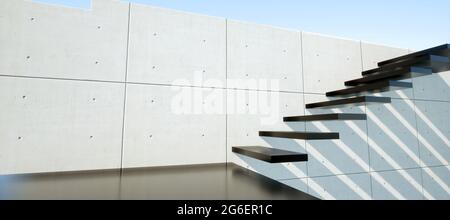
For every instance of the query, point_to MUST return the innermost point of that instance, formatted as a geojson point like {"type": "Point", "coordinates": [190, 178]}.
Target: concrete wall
{"type": "Point", "coordinates": [165, 46]}
{"type": "Point", "coordinates": [62, 86]}
{"type": "Point", "coordinates": [93, 89]}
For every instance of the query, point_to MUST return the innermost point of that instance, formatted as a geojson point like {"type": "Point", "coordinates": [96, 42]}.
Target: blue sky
{"type": "Point", "coordinates": [415, 24]}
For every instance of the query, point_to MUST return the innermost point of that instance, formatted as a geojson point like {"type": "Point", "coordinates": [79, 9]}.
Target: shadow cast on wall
{"type": "Point", "coordinates": [400, 152]}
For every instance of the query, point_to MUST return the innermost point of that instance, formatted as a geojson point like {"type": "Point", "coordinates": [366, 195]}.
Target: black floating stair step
{"type": "Point", "coordinates": [270, 155]}
{"type": "Point", "coordinates": [326, 117]}
{"type": "Point", "coordinates": [436, 63]}
{"type": "Point", "coordinates": [442, 50]}
{"type": "Point", "coordinates": [378, 87]}
{"type": "Point", "coordinates": [300, 135]}
{"type": "Point", "coordinates": [397, 74]}
{"type": "Point", "coordinates": [355, 101]}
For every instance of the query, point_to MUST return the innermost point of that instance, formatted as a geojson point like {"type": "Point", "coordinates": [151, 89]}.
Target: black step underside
{"type": "Point", "coordinates": [398, 74]}
{"type": "Point", "coordinates": [442, 50]}
{"type": "Point", "coordinates": [270, 155]}
{"type": "Point", "coordinates": [326, 117]}
{"type": "Point", "coordinates": [355, 101]}
{"type": "Point", "coordinates": [383, 86]}
{"type": "Point", "coordinates": [436, 63]}
{"type": "Point", "coordinates": [300, 135]}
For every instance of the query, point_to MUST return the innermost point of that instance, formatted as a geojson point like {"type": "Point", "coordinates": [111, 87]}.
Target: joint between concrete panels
{"type": "Point", "coordinates": [226, 91]}
{"type": "Point", "coordinates": [125, 90]}
{"type": "Point", "coordinates": [367, 125]}
{"type": "Point", "coordinates": [304, 100]}
{"type": "Point", "coordinates": [191, 86]}
{"type": "Point", "coordinates": [418, 142]}
{"type": "Point", "coordinates": [356, 173]}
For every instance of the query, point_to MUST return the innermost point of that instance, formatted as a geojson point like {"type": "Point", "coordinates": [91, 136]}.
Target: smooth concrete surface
{"type": "Point", "coordinates": [155, 136]}
{"type": "Point", "coordinates": [435, 87]}
{"type": "Point", "coordinates": [434, 129]}
{"type": "Point", "coordinates": [168, 45]}
{"type": "Point", "coordinates": [50, 41]}
{"type": "Point", "coordinates": [349, 187]}
{"type": "Point", "coordinates": [211, 182]}
{"type": "Point", "coordinates": [91, 90]}
{"type": "Point", "coordinates": [430, 182]}
{"type": "Point", "coordinates": [327, 61]}
{"type": "Point", "coordinates": [372, 54]}
{"type": "Point", "coordinates": [264, 52]}
{"type": "Point", "coordinates": [55, 125]}
{"type": "Point", "coordinates": [392, 136]}
{"type": "Point", "coordinates": [395, 178]}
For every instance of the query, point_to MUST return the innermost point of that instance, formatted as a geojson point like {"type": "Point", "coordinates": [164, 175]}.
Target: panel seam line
{"type": "Point", "coordinates": [125, 92]}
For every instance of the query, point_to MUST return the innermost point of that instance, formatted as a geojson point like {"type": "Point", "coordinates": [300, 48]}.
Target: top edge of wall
{"type": "Point", "coordinates": [264, 25]}
{"type": "Point", "coordinates": [93, 3]}
{"type": "Point", "coordinates": [383, 45]}
{"type": "Point", "coordinates": [173, 10]}
{"type": "Point", "coordinates": [350, 39]}
{"type": "Point", "coordinates": [90, 8]}
{"type": "Point", "coordinates": [330, 36]}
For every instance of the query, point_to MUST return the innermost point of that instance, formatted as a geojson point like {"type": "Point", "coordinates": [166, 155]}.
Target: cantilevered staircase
{"type": "Point", "coordinates": [381, 79]}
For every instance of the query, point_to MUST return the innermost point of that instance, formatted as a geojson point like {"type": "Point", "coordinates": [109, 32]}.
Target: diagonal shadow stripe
{"type": "Point", "coordinates": [335, 170]}
{"type": "Point", "coordinates": [310, 183]}
{"type": "Point", "coordinates": [403, 146]}
{"type": "Point", "coordinates": [366, 167]}
{"type": "Point", "coordinates": [414, 131]}
{"type": "Point", "coordinates": [388, 158]}
{"type": "Point", "coordinates": [298, 173]}
{"type": "Point", "coordinates": [314, 185]}
{"type": "Point", "coordinates": [330, 166]}
{"type": "Point", "coordinates": [424, 118]}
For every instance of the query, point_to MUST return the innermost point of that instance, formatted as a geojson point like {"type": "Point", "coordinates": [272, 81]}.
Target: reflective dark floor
{"type": "Point", "coordinates": [205, 182]}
